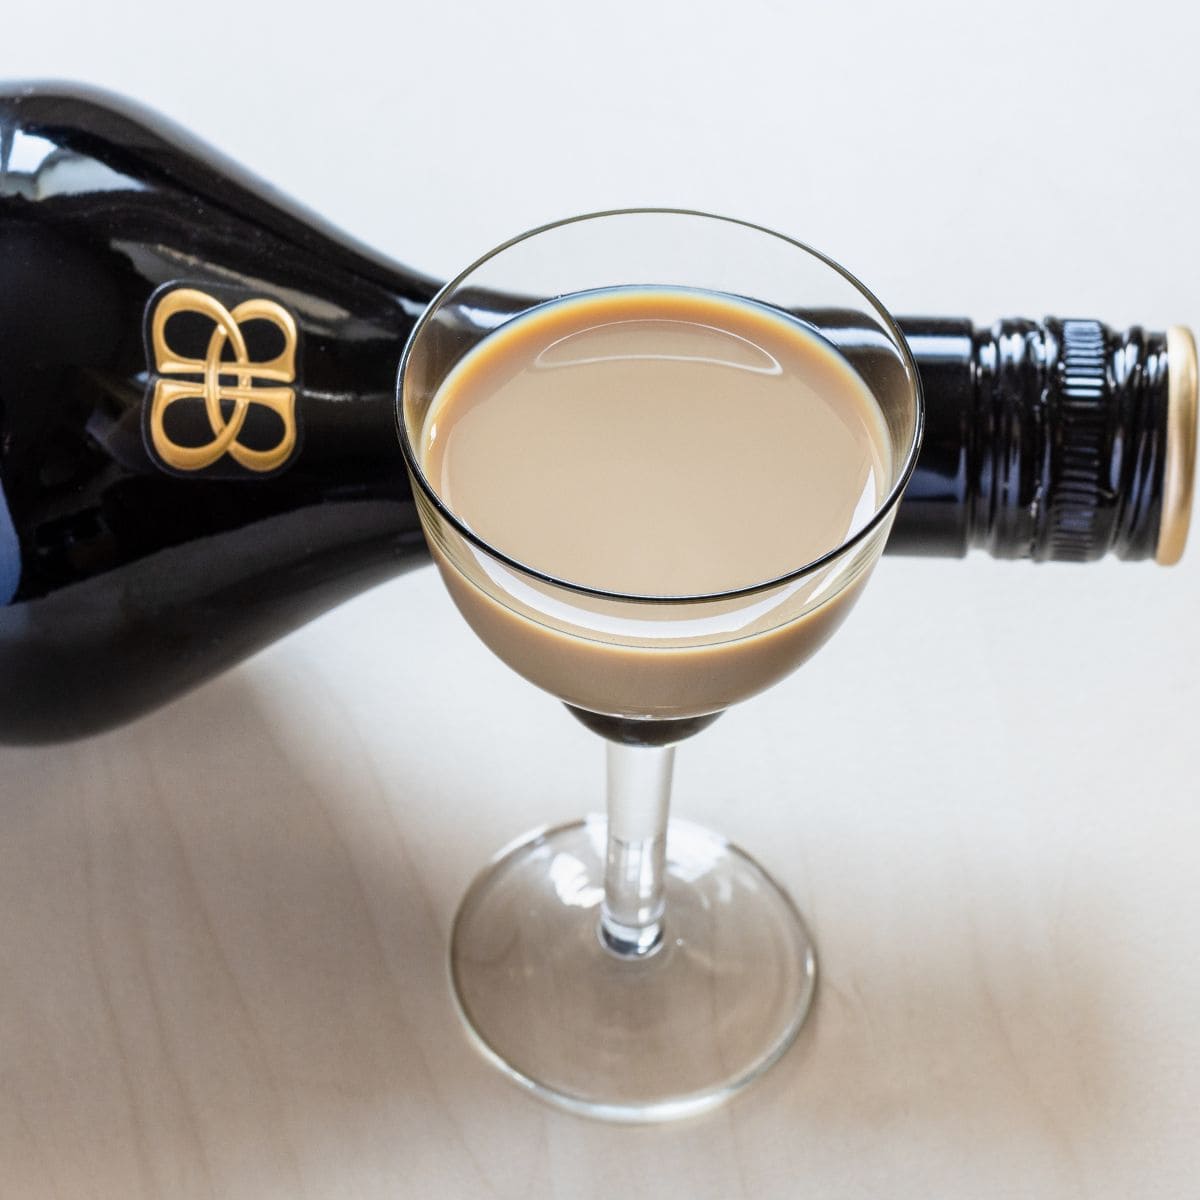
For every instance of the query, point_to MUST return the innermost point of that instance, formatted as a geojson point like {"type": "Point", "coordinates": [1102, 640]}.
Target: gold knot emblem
{"type": "Point", "coordinates": [228, 387]}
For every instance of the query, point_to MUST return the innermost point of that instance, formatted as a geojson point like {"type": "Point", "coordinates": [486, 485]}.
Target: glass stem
{"type": "Point", "coordinates": [639, 796]}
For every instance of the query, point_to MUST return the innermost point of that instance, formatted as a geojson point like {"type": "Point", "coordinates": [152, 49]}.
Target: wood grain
{"type": "Point", "coordinates": [223, 929]}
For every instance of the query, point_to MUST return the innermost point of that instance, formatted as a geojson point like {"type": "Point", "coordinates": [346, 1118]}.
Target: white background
{"type": "Point", "coordinates": [982, 792]}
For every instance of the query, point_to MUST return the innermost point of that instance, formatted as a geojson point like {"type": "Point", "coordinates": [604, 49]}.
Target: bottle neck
{"type": "Point", "coordinates": [1044, 440]}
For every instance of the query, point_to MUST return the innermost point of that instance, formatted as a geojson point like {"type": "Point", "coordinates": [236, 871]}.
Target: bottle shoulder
{"type": "Point", "coordinates": [68, 150]}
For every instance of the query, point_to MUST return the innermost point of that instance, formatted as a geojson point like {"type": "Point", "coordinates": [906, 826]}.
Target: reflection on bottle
{"type": "Point", "coordinates": [124, 581]}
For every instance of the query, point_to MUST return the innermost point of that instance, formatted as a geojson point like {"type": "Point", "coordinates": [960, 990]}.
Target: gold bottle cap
{"type": "Point", "coordinates": [1179, 470]}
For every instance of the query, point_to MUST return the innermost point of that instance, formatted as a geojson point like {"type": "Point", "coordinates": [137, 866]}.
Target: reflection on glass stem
{"type": "Point", "coordinates": [639, 795]}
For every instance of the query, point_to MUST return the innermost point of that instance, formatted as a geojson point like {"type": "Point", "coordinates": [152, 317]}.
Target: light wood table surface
{"type": "Point", "coordinates": [223, 929]}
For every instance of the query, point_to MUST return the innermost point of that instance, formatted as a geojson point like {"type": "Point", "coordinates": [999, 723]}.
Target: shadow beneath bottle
{"type": "Point", "coordinates": [224, 958]}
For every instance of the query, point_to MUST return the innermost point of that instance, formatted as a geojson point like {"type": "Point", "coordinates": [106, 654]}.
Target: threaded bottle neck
{"type": "Point", "coordinates": [1067, 436]}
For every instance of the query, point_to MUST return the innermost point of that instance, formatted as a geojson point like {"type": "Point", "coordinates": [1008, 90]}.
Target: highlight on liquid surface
{"type": "Point", "coordinates": [657, 441]}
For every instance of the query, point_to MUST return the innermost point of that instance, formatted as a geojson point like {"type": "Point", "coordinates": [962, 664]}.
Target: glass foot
{"type": "Point", "coordinates": [641, 1039]}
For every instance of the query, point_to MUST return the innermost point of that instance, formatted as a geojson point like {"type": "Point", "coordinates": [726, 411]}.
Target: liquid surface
{"type": "Point", "coordinates": [656, 442]}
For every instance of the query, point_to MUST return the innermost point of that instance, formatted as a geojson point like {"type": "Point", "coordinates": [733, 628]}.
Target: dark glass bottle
{"type": "Point", "coordinates": [197, 443]}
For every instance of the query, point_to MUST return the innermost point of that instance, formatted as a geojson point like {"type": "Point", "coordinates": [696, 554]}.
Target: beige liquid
{"type": "Point", "coordinates": [653, 442]}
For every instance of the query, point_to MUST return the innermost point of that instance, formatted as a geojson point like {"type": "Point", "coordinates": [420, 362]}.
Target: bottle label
{"type": "Point", "coordinates": [221, 398]}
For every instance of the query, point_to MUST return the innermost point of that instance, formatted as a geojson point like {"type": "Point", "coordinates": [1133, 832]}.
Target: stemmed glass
{"type": "Point", "coordinates": [628, 967]}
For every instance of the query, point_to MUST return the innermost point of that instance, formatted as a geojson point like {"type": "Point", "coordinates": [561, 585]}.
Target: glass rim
{"type": "Point", "coordinates": [882, 509]}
